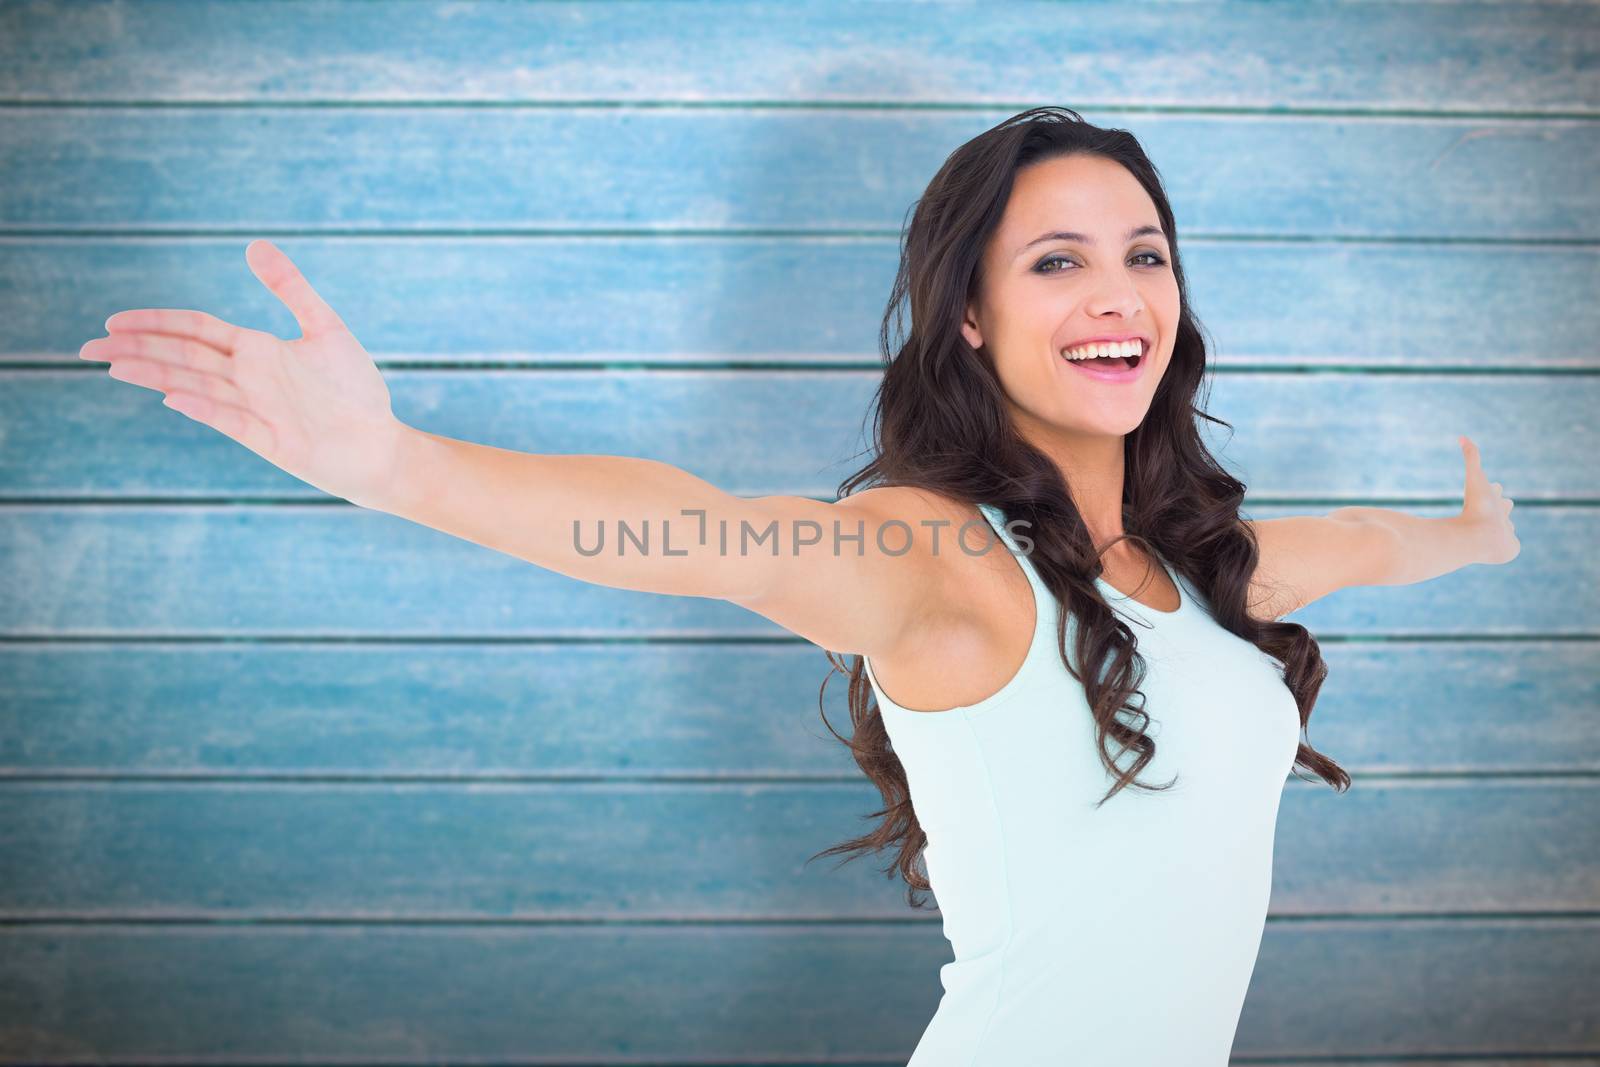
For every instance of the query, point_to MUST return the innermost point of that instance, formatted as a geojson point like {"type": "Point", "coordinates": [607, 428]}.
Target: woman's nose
{"type": "Point", "coordinates": [1118, 295]}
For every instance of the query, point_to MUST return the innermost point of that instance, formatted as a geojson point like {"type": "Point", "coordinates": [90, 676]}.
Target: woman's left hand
{"type": "Point", "coordinates": [1486, 510]}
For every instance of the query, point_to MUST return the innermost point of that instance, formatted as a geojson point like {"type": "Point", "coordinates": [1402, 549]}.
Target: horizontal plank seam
{"type": "Point", "coordinates": [623, 640]}
{"type": "Point", "coordinates": [1227, 366]}
{"type": "Point", "coordinates": [103, 920]}
{"type": "Point", "coordinates": [546, 233]}
{"type": "Point", "coordinates": [1086, 108]}
{"type": "Point", "coordinates": [11, 778]}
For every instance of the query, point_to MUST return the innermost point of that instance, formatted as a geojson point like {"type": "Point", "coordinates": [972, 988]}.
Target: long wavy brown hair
{"type": "Point", "coordinates": [940, 423]}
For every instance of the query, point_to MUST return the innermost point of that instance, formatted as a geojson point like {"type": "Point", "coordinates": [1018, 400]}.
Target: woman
{"type": "Point", "coordinates": [1046, 391]}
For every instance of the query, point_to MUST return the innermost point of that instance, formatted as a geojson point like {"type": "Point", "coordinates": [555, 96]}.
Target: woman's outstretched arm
{"type": "Point", "coordinates": [1305, 557]}
{"type": "Point", "coordinates": [815, 568]}
{"type": "Point", "coordinates": [318, 408]}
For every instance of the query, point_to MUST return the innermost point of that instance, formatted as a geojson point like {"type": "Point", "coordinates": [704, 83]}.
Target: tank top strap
{"type": "Point", "coordinates": [997, 519]}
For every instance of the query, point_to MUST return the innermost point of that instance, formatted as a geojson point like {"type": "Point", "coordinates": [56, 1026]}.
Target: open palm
{"type": "Point", "coordinates": [316, 406]}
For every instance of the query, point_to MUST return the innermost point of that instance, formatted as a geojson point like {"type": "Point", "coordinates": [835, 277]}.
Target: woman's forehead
{"type": "Point", "coordinates": [1088, 196]}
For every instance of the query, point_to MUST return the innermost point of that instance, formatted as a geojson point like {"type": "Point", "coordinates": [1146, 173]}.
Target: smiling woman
{"type": "Point", "coordinates": [1050, 375]}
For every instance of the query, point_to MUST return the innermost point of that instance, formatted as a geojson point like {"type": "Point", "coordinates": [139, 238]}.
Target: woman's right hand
{"type": "Point", "coordinates": [316, 406]}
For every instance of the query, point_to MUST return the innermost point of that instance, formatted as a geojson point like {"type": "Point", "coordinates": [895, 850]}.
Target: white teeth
{"type": "Point", "coordinates": [1095, 351]}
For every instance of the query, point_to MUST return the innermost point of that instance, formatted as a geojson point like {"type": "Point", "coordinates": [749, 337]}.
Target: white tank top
{"type": "Point", "coordinates": [1102, 937]}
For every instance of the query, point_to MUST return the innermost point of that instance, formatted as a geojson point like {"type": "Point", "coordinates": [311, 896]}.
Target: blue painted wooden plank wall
{"type": "Point", "coordinates": [281, 778]}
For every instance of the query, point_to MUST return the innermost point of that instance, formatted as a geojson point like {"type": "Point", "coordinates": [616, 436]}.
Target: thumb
{"type": "Point", "coordinates": [1476, 479]}
{"type": "Point", "coordinates": [274, 270]}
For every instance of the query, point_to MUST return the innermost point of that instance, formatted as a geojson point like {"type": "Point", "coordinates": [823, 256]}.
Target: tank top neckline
{"type": "Point", "coordinates": [1042, 650]}
{"type": "Point", "coordinates": [1111, 592]}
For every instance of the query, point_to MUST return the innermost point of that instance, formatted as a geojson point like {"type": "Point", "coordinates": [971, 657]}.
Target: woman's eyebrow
{"type": "Point", "coordinates": [1085, 239]}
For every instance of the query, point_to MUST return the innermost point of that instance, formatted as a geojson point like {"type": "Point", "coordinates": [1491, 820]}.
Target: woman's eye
{"type": "Point", "coordinates": [1154, 257]}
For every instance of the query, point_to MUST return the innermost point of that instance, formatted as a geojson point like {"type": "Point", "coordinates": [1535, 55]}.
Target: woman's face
{"type": "Point", "coordinates": [1039, 299]}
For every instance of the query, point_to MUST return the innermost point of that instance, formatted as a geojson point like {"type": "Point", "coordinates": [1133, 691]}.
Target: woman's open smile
{"type": "Point", "coordinates": [1110, 359]}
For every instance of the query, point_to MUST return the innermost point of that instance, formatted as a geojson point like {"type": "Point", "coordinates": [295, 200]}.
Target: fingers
{"type": "Point", "coordinates": [210, 330]}
{"type": "Point", "coordinates": [164, 363]}
{"type": "Point", "coordinates": [165, 378]}
{"type": "Point", "coordinates": [158, 347]}
{"type": "Point", "coordinates": [1476, 476]}
{"type": "Point", "coordinates": [1474, 460]}
{"type": "Point", "coordinates": [278, 274]}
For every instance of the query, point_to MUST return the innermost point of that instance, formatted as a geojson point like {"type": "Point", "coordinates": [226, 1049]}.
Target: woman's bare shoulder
{"type": "Point", "coordinates": [914, 505]}
{"type": "Point", "coordinates": [977, 623]}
